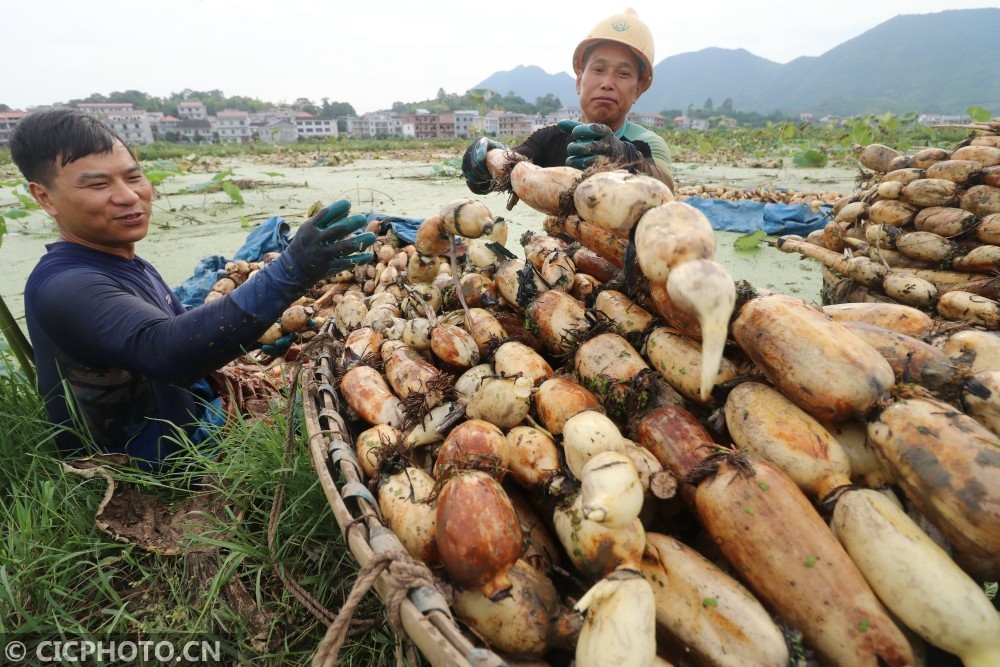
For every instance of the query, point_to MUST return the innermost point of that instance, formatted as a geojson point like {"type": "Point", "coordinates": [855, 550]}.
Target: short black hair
{"type": "Point", "coordinates": [42, 137]}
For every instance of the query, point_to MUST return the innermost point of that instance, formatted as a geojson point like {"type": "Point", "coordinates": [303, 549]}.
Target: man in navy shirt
{"type": "Point", "coordinates": [121, 363]}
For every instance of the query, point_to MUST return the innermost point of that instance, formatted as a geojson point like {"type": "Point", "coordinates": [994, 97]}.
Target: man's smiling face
{"type": "Point", "coordinates": [102, 201]}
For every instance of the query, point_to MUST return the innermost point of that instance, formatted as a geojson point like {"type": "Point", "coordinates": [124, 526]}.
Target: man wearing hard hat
{"type": "Point", "coordinates": [614, 66]}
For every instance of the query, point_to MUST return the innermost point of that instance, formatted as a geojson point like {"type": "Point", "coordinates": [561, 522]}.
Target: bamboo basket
{"type": "Point", "coordinates": [425, 614]}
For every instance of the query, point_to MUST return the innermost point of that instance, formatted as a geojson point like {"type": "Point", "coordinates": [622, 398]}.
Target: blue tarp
{"type": "Point", "coordinates": [731, 216]}
{"type": "Point", "coordinates": [270, 236]}
{"type": "Point", "coordinates": [749, 216]}
{"type": "Point", "coordinates": [405, 228]}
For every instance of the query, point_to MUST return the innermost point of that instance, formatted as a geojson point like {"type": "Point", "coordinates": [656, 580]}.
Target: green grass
{"type": "Point", "coordinates": [60, 574]}
{"type": "Point", "coordinates": [834, 143]}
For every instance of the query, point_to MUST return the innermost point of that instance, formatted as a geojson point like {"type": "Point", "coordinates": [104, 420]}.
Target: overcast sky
{"type": "Point", "coordinates": [375, 52]}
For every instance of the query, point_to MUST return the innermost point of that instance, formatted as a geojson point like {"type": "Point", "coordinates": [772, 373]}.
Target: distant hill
{"type": "Point", "coordinates": [531, 82]}
{"type": "Point", "coordinates": [908, 63]}
{"type": "Point", "coordinates": [692, 78]}
{"type": "Point", "coordinates": [934, 63]}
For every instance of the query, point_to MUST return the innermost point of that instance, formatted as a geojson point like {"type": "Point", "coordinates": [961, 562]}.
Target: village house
{"type": "Point", "coordinates": [104, 108]}
{"type": "Point", "coordinates": [446, 126]}
{"type": "Point", "coordinates": [275, 131]}
{"type": "Point", "coordinates": [465, 121]}
{"type": "Point", "coordinates": [274, 126]}
{"type": "Point", "coordinates": [649, 119]}
{"type": "Point", "coordinates": [376, 125]}
{"type": "Point", "coordinates": [424, 124]}
{"type": "Point", "coordinates": [942, 119]}
{"type": "Point", "coordinates": [565, 113]}
{"type": "Point", "coordinates": [192, 110]}
{"type": "Point", "coordinates": [233, 126]}
{"type": "Point", "coordinates": [490, 123]}
{"type": "Point", "coordinates": [132, 124]}
{"type": "Point", "coordinates": [164, 127]}
{"type": "Point", "coordinates": [8, 119]}
{"type": "Point", "coordinates": [309, 126]}
{"type": "Point", "coordinates": [510, 124]}
{"type": "Point", "coordinates": [195, 131]}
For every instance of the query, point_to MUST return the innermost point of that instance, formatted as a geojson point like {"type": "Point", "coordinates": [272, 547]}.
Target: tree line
{"type": "Point", "coordinates": [708, 111]}
{"type": "Point", "coordinates": [482, 99]}
{"type": "Point", "coordinates": [215, 101]}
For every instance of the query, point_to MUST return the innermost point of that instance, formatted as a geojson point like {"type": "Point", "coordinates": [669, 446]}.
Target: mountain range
{"type": "Point", "coordinates": [931, 63]}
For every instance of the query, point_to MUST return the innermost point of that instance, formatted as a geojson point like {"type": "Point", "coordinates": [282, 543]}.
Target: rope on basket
{"type": "Point", "coordinates": [405, 575]}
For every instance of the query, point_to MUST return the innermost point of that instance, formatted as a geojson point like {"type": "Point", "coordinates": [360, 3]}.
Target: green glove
{"type": "Point", "coordinates": [477, 176]}
{"type": "Point", "coordinates": [567, 126]}
{"type": "Point", "coordinates": [327, 243]}
{"type": "Point", "coordinates": [280, 346]}
{"type": "Point", "coordinates": [594, 140]}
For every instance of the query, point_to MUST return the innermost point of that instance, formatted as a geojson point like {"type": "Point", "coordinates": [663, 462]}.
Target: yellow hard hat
{"type": "Point", "coordinates": [625, 29]}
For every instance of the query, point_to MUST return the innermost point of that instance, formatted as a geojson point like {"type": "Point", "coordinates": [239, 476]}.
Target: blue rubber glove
{"type": "Point", "coordinates": [477, 176]}
{"type": "Point", "coordinates": [594, 140]}
{"type": "Point", "coordinates": [327, 243]}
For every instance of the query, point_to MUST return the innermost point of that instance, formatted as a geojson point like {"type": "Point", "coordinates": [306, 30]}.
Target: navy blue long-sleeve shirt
{"type": "Point", "coordinates": [115, 348]}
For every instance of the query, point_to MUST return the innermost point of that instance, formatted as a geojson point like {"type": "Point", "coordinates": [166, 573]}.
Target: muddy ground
{"type": "Point", "coordinates": [188, 227]}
